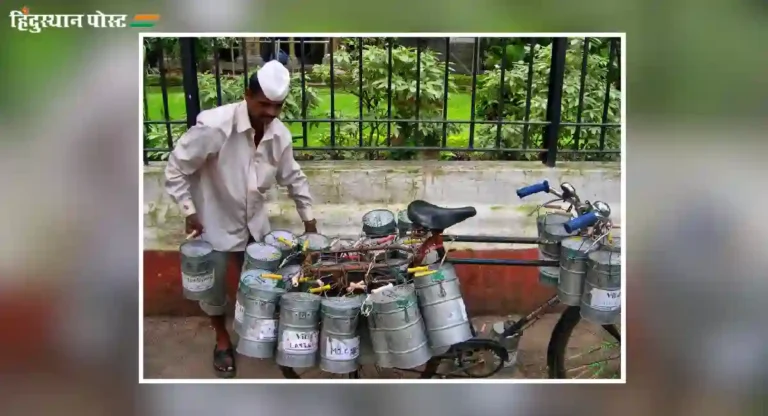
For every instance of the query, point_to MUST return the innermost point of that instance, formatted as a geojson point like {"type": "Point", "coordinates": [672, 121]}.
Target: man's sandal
{"type": "Point", "coordinates": [220, 362]}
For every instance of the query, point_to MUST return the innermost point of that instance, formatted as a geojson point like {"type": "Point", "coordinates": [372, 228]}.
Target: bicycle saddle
{"type": "Point", "coordinates": [433, 217]}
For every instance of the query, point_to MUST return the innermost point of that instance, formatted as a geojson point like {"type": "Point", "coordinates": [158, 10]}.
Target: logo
{"type": "Point", "coordinates": [145, 20]}
{"type": "Point", "coordinates": [24, 21]}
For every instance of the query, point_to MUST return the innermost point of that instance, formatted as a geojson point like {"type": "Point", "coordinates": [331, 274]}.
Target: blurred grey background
{"type": "Point", "coordinates": [70, 166]}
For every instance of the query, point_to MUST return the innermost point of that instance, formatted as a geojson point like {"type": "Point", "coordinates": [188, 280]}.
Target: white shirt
{"type": "Point", "coordinates": [217, 171]}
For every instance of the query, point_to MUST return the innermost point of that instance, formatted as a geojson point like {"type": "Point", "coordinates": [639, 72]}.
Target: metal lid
{"type": "Point", "coordinates": [605, 257]}
{"type": "Point", "coordinates": [397, 297]}
{"type": "Point", "coordinates": [384, 296]}
{"type": "Point", "coordinates": [580, 244]}
{"type": "Point", "coordinates": [553, 218]}
{"type": "Point", "coordinates": [343, 302]}
{"type": "Point", "coordinates": [252, 280]}
{"type": "Point", "coordinates": [551, 272]}
{"type": "Point", "coordinates": [614, 245]}
{"type": "Point", "coordinates": [378, 218]}
{"type": "Point", "coordinates": [272, 238]}
{"type": "Point", "coordinates": [552, 225]}
{"type": "Point", "coordinates": [290, 271]}
{"type": "Point", "coordinates": [316, 241]}
{"type": "Point", "coordinates": [379, 222]}
{"type": "Point", "coordinates": [303, 300]}
{"type": "Point", "coordinates": [196, 248]}
{"type": "Point", "coordinates": [402, 216]}
{"type": "Point", "coordinates": [263, 252]}
{"type": "Point", "coordinates": [302, 297]}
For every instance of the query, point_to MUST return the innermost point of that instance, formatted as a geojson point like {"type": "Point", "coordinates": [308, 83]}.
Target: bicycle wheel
{"type": "Point", "coordinates": [590, 351]}
{"type": "Point", "coordinates": [476, 358]}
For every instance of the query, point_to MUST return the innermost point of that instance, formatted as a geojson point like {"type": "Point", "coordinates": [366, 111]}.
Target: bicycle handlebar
{"type": "Point", "coordinates": [567, 194]}
{"type": "Point", "coordinates": [533, 189]}
{"type": "Point", "coordinates": [587, 220]}
{"type": "Point", "coordinates": [588, 213]}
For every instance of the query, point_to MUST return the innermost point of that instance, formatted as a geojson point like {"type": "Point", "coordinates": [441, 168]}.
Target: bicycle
{"type": "Point", "coordinates": [428, 223]}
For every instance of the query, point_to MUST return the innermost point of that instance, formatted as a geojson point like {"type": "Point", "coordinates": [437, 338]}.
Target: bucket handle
{"type": "Point", "coordinates": [367, 306]}
{"type": "Point", "coordinates": [404, 304]}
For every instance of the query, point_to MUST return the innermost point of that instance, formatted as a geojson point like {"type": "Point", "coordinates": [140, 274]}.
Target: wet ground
{"type": "Point", "coordinates": [181, 348]}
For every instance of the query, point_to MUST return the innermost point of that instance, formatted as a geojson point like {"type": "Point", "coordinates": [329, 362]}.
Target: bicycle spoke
{"type": "Point", "coordinates": [473, 362]}
{"type": "Point", "coordinates": [593, 364]}
{"type": "Point", "coordinates": [592, 352]}
{"type": "Point", "coordinates": [605, 345]}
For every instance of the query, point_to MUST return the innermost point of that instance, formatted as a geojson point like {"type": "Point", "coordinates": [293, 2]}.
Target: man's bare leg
{"type": "Point", "coordinates": [219, 324]}
{"type": "Point", "coordinates": [223, 354]}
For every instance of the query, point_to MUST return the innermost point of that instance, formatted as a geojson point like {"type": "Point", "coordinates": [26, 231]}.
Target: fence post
{"type": "Point", "coordinates": [554, 100]}
{"type": "Point", "coordinates": [189, 79]}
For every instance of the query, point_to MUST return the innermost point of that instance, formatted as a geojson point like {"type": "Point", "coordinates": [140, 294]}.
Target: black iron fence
{"type": "Point", "coordinates": [453, 98]}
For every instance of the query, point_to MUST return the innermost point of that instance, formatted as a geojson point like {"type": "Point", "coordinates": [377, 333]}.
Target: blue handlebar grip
{"type": "Point", "coordinates": [586, 220]}
{"type": "Point", "coordinates": [533, 189]}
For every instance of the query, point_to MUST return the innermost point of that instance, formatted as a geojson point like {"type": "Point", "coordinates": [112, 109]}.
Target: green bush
{"type": "Point", "coordinates": [156, 136]}
{"type": "Point", "coordinates": [514, 96]}
{"type": "Point", "coordinates": [464, 82]}
{"type": "Point", "coordinates": [231, 91]}
{"type": "Point", "coordinates": [153, 80]}
{"type": "Point", "coordinates": [515, 49]}
{"type": "Point", "coordinates": [203, 47]}
{"type": "Point", "coordinates": [375, 98]}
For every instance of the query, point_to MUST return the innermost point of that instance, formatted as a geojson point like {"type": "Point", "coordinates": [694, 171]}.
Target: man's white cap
{"type": "Point", "coordinates": [275, 80]}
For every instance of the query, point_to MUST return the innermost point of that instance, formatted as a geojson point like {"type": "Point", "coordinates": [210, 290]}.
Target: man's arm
{"type": "Point", "coordinates": [187, 157]}
{"type": "Point", "coordinates": [290, 175]}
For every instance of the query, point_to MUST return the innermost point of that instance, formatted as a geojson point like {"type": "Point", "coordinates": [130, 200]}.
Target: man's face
{"type": "Point", "coordinates": [261, 108]}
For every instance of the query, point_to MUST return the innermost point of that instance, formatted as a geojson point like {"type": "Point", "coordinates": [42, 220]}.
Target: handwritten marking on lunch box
{"type": "Point", "coordinates": [197, 283]}
{"type": "Point", "coordinates": [343, 349]}
{"type": "Point", "coordinates": [300, 341]}
{"type": "Point", "coordinates": [605, 299]}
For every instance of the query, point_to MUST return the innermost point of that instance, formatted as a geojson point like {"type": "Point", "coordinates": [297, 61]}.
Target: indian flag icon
{"type": "Point", "coordinates": [145, 20]}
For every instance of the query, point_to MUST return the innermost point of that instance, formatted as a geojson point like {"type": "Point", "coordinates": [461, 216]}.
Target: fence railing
{"type": "Point", "coordinates": [524, 98]}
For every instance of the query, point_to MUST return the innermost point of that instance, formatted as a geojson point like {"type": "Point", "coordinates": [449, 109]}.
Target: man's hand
{"type": "Point", "coordinates": [310, 226]}
{"type": "Point", "coordinates": [193, 226]}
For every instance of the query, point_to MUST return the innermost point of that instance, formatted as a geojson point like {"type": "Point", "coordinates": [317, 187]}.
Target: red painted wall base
{"type": "Point", "coordinates": [487, 290]}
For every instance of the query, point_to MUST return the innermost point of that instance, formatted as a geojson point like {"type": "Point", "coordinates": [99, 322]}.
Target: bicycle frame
{"type": "Point", "coordinates": [427, 240]}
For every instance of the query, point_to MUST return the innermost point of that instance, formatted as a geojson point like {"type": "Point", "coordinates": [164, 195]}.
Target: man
{"type": "Point", "coordinates": [219, 174]}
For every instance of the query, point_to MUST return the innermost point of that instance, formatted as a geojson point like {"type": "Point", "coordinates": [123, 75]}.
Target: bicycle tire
{"type": "Point", "coordinates": [430, 369]}
{"type": "Point", "coordinates": [558, 342]}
